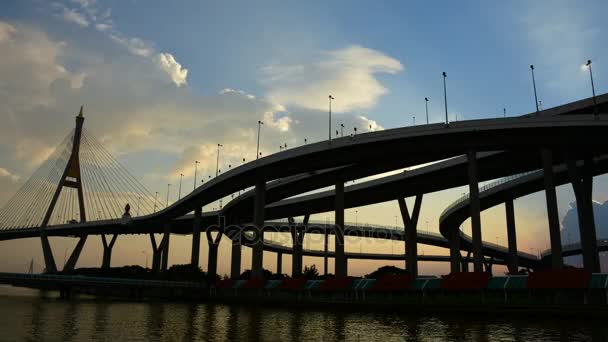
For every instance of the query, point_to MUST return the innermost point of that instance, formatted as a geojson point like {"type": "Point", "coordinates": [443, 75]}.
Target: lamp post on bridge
{"type": "Point", "coordinates": [168, 189]}
{"type": "Point", "coordinates": [217, 163]}
{"type": "Point", "coordinates": [426, 106]}
{"type": "Point", "coordinates": [592, 87]}
{"type": "Point", "coordinates": [445, 97]}
{"type": "Point", "coordinates": [155, 199]}
{"type": "Point", "coordinates": [196, 162]}
{"type": "Point", "coordinates": [534, 86]}
{"type": "Point", "coordinates": [179, 195]}
{"type": "Point", "coordinates": [330, 98]}
{"type": "Point", "coordinates": [257, 151]}
{"type": "Point", "coordinates": [341, 130]}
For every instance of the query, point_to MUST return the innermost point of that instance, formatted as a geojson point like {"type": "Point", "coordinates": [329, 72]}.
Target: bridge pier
{"type": "Point", "coordinates": [165, 248]}
{"type": "Point", "coordinates": [582, 183]}
{"type": "Point", "coordinates": [465, 262]}
{"type": "Point", "coordinates": [475, 211]}
{"type": "Point", "coordinates": [455, 256]}
{"type": "Point", "coordinates": [410, 224]}
{"type": "Point", "coordinates": [235, 258]}
{"type": "Point", "coordinates": [340, 258]}
{"type": "Point", "coordinates": [71, 263]}
{"type": "Point", "coordinates": [196, 238]}
{"type": "Point", "coordinates": [49, 260]}
{"type": "Point", "coordinates": [279, 263]}
{"type": "Point", "coordinates": [257, 253]}
{"type": "Point", "coordinates": [325, 250]}
{"type": "Point", "coordinates": [157, 252]}
{"type": "Point", "coordinates": [512, 260]}
{"type": "Point", "coordinates": [214, 243]}
{"type": "Point", "coordinates": [107, 250]}
{"type": "Point", "coordinates": [297, 239]}
{"type": "Point", "coordinates": [552, 214]}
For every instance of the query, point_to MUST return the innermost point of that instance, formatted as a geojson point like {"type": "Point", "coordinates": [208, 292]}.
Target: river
{"type": "Point", "coordinates": [30, 315]}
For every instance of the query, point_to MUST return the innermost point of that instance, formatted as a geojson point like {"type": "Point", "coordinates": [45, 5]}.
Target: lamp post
{"type": "Point", "coordinates": [168, 188]}
{"type": "Point", "coordinates": [341, 130]}
{"type": "Point", "coordinates": [445, 97]}
{"type": "Point", "coordinates": [504, 112]}
{"type": "Point", "coordinates": [592, 88]}
{"type": "Point", "coordinates": [413, 120]}
{"type": "Point", "coordinates": [179, 195]}
{"type": "Point", "coordinates": [217, 162]}
{"type": "Point", "coordinates": [155, 199]}
{"type": "Point", "coordinates": [257, 151]}
{"type": "Point", "coordinates": [534, 86]}
{"type": "Point", "coordinates": [426, 105]}
{"type": "Point", "coordinates": [330, 98]}
{"type": "Point", "coordinates": [196, 162]}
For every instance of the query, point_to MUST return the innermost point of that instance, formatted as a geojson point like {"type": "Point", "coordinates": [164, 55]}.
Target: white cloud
{"type": "Point", "coordinates": [348, 74]}
{"type": "Point", "coordinates": [176, 72]}
{"type": "Point", "coordinates": [135, 45]}
{"type": "Point", "coordinates": [6, 31]}
{"type": "Point", "coordinates": [72, 16]}
{"type": "Point", "coordinates": [4, 173]}
{"type": "Point", "coordinates": [103, 27]}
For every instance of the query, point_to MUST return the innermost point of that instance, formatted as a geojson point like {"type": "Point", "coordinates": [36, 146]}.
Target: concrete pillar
{"type": "Point", "coordinates": [279, 263]}
{"type": "Point", "coordinates": [475, 210]}
{"type": "Point", "coordinates": [512, 262]}
{"type": "Point", "coordinates": [157, 252]}
{"type": "Point", "coordinates": [71, 263]}
{"type": "Point", "coordinates": [257, 253]}
{"type": "Point", "coordinates": [235, 258]}
{"type": "Point", "coordinates": [340, 259]}
{"type": "Point", "coordinates": [455, 252]}
{"type": "Point", "coordinates": [552, 214]}
{"type": "Point", "coordinates": [326, 251]}
{"type": "Point", "coordinates": [582, 183]}
{"type": "Point", "coordinates": [165, 248]}
{"type": "Point", "coordinates": [49, 260]}
{"type": "Point", "coordinates": [410, 224]}
{"type": "Point", "coordinates": [214, 243]}
{"type": "Point", "coordinates": [297, 239]}
{"type": "Point", "coordinates": [196, 237]}
{"type": "Point", "coordinates": [465, 262]}
{"type": "Point", "coordinates": [107, 250]}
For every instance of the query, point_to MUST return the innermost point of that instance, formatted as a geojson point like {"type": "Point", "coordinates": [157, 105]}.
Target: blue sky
{"type": "Point", "coordinates": [163, 82]}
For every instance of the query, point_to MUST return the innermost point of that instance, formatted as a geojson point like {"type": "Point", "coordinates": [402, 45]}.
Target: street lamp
{"type": "Point", "coordinates": [168, 188]}
{"type": "Point", "coordinates": [217, 163]}
{"type": "Point", "coordinates": [341, 130]}
{"type": "Point", "coordinates": [504, 112]}
{"type": "Point", "coordinates": [155, 199]}
{"type": "Point", "coordinates": [257, 152]}
{"type": "Point", "coordinates": [179, 195]}
{"type": "Point", "coordinates": [534, 86]}
{"type": "Point", "coordinates": [196, 162]}
{"type": "Point", "coordinates": [445, 97]}
{"type": "Point", "coordinates": [426, 105]}
{"type": "Point", "coordinates": [330, 98]}
{"type": "Point", "coordinates": [592, 88]}
{"type": "Point", "coordinates": [414, 120]}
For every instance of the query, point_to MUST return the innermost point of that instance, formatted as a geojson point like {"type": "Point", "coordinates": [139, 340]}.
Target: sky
{"type": "Point", "coordinates": [162, 83]}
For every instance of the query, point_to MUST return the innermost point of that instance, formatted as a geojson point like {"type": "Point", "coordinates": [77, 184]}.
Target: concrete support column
{"type": "Point", "coordinates": [582, 183]}
{"type": "Point", "coordinates": [297, 239]}
{"type": "Point", "coordinates": [196, 238]}
{"type": "Point", "coordinates": [326, 251]}
{"type": "Point", "coordinates": [475, 210]}
{"type": "Point", "coordinates": [512, 262]}
{"type": "Point", "coordinates": [214, 243]}
{"type": "Point", "coordinates": [455, 256]}
{"type": "Point", "coordinates": [71, 263]}
{"type": "Point", "coordinates": [279, 263]}
{"type": "Point", "coordinates": [235, 259]}
{"type": "Point", "coordinates": [165, 257]}
{"type": "Point", "coordinates": [257, 253]}
{"type": "Point", "coordinates": [49, 260]}
{"type": "Point", "coordinates": [157, 252]}
{"type": "Point", "coordinates": [107, 250]}
{"type": "Point", "coordinates": [552, 214]}
{"type": "Point", "coordinates": [410, 224]}
{"type": "Point", "coordinates": [340, 259]}
{"type": "Point", "coordinates": [465, 263]}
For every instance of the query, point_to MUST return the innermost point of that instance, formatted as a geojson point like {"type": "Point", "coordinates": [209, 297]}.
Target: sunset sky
{"type": "Point", "coordinates": [162, 83]}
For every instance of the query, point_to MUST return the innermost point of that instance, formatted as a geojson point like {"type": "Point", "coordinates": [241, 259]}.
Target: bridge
{"type": "Point", "coordinates": [82, 190]}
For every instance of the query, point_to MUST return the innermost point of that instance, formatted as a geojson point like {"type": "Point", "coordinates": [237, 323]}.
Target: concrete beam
{"type": "Point", "coordinates": [552, 214]}
{"type": "Point", "coordinates": [165, 257]}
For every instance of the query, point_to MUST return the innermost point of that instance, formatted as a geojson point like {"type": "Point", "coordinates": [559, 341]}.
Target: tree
{"type": "Point", "coordinates": [310, 272]}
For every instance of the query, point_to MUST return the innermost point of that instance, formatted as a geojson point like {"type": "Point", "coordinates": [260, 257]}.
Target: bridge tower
{"type": "Point", "coordinates": [70, 178]}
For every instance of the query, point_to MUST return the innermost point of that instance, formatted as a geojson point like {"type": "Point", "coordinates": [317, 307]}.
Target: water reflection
{"type": "Point", "coordinates": [38, 318]}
